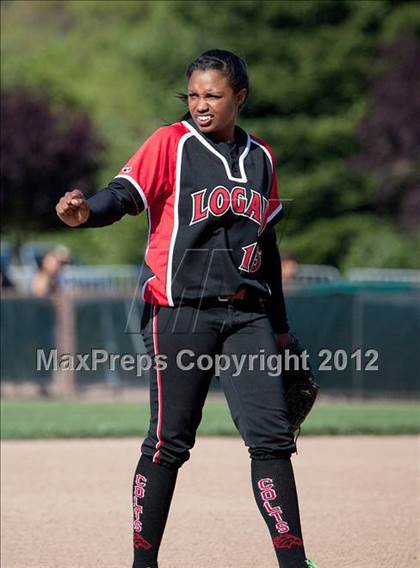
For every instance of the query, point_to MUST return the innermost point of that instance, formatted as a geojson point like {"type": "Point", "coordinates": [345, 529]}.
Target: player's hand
{"type": "Point", "coordinates": [73, 208]}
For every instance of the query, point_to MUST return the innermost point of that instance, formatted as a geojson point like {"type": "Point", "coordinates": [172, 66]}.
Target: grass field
{"type": "Point", "coordinates": [53, 419]}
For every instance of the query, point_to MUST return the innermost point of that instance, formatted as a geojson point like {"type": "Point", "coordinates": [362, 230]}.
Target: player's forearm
{"type": "Point", "coordinates": [271, 266]}
{"type": "Point", "coordinates": [111, 204]}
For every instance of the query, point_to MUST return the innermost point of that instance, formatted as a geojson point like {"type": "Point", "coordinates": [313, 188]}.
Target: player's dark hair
{"type": "Point", "coordinates": [230, 65]}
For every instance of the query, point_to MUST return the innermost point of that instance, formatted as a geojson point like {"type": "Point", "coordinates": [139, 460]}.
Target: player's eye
{"type": "Point", "coordinates": [214, 96]}
{"type": "Point", "coordinates": [192, 95]}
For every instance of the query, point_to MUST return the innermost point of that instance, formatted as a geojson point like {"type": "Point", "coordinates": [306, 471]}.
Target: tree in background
{"type": "Point", "coordinates": [46, 149]}
{"type": "Point", "coordinates": [311, 64]}
{"type": "Point", "coordinates": [390, 133]}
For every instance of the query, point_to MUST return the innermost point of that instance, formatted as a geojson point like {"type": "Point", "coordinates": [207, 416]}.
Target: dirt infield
{"type": "Point", "coordinates": [66, 504]}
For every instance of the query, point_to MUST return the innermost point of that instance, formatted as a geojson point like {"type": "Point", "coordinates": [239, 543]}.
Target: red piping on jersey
{"type": "Point", "coordinates": [162, 234]}
{"type": "Point", "coordinates": [175, 211]}
{"type": "Point", "coordinates": [156, 456]}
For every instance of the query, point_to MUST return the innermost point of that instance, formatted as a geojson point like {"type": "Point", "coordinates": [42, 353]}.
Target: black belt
{"type": "Point", "coordinates": [244, 297]}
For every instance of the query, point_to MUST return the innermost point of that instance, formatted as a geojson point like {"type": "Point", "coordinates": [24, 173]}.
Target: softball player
{"type": "Point", "coordinates": [211, 287]}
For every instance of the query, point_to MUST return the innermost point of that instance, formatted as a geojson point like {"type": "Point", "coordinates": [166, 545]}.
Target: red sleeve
{"type": "Point", "coordinates": [151, 170]}
{"type": "Point", "coordinates": [275, 207]}
{"type": "Point", "coordinates": [274, 210]}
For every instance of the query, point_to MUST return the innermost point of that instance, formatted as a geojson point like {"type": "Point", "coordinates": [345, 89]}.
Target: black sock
{"type": "Point", "coordinates": [153, 487]}
{"type": "Point", "coordinates": [274, 489]}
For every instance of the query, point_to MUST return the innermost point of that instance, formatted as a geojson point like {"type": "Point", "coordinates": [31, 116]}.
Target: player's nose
{"type": "Point", "coordinates": [202, 105]}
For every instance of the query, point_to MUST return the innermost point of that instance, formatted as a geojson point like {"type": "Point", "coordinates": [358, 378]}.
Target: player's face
{"type": "Point", "coordinates": [213, 104]}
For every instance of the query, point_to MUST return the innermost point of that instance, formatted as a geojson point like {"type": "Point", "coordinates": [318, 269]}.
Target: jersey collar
{"type": "Point", "coordinates": [215, 148]}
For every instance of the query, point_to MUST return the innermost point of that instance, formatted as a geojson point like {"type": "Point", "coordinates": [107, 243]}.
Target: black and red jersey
{"type": "Point", "coordinates": [211, 207]}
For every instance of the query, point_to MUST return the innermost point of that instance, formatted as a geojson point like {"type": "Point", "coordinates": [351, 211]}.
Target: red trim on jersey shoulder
{"type": "Point", "coordinates": [275, 206]}
{"type": "Point", "coordinates": [149, 169]}
{"type": "Point", "coordinates": [269, 149]}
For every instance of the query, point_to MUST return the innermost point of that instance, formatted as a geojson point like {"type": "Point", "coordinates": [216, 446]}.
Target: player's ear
{"type": "Point", "coordinates": [241, 97]}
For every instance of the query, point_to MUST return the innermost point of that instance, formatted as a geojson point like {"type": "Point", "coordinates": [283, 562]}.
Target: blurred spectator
{"type": "Point", "coordinates": [5, 282]}
{"type": "Point", "coordinates": [289, 268]}
{"type": "Point", "coordinates": [47, 278]}
{"type": "Point", "coordinates": [5, 257]}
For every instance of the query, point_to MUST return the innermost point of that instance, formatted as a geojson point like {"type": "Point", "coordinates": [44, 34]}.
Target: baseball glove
{"type": "Point", "coordinates": [301, 389]}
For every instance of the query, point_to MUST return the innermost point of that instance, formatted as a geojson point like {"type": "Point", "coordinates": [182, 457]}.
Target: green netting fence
{"type": "Point", "coordinates": [363, 340]}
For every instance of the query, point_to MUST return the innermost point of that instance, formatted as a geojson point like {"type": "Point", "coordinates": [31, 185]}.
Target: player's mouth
{"type": "Point", "coordinates": [203, 119]}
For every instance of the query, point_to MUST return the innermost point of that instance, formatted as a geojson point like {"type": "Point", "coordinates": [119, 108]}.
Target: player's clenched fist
{"type": "Point", "coordinates": [73, 208]}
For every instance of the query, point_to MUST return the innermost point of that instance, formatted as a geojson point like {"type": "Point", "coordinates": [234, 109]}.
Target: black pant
{"type": "Point", "coordinates": [177, 396]}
